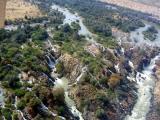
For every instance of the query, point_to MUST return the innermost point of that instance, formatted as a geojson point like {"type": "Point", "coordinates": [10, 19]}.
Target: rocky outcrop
{"type": "Point", "coordinates": [72, 67]}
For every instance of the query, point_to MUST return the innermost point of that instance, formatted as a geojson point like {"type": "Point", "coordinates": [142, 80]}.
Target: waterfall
{"type": "Point", "coordinates": [84, 70]}
{"type": "Point", "coordinates": [21, 114]}
{"type": "Point", "coordinates": [131, 64]}
{"type": "Point", "coordinates": [52, 113]}
{"type": "Point", "coordinates": [15, 105]}
{"type": "Point", "coordinates": [63, 83]}
{"type": "Point", "coordinates": [50, 61]}
{"type": "Point", "coordinates": [146, 83]}
{"type": "Point", "coordinates": [72, 107]}
{"type": "Point", "coordinates": [71, 17]}
{"type": "Point", "coordinates": [117, 68]}
{"type": "Point", "coordinates": [1, 97]}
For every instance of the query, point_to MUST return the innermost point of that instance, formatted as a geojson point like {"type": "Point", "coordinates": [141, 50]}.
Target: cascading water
{"type": "Point", "coordinates": [63, 83]}
{"type": "Point", "coordinates": [71, 17]}
{"type": "Point", "coordinates": [50, 61]}
{"type": "Point", "coordinates": [84, 70]}
{"type": "Point", "coordinates": [15, 105]}
{"type": "Point", "coordinates": [1, 97]}
{"type": "Point", "coordinates": [146, 83]}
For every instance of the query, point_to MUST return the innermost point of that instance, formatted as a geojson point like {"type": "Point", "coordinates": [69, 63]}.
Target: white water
{"type": "Point", "coordinates": [117, 67]}
{"type": "Point", "coordinates": [74, 17]}
{"type": "Point", "coordinates": [137, 36]}
{"type": "Point", "coordinates": [21, 113]}
{"type": "Point", "coordinates": [146, 83]}
{"type": "Point", "coordinates": [1, 97]}
{"type": "Point", "coordinates": [131, 64]}
{"type": "Point", "coordinates": [63, 83]}
{"type": "Point", "coordinates": [84, 70]}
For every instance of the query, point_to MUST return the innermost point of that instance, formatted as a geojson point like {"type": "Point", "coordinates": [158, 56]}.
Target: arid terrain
{"type": "Point", "coordinates": [20, 8]}
{"type": "Point", "coordinates": [2, 12]}
{"type": "Point", "coordinates": [150, 2]}
{"type": "Point", "coordinates": [154, 10]}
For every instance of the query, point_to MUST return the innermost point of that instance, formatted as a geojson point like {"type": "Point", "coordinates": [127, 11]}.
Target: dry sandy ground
{"type": "Point", "coordinates": [20, 8]}
{"type": "Point", "coordinates": [155, 11]}
{"type": "Point", "coordinates": [150, 2]}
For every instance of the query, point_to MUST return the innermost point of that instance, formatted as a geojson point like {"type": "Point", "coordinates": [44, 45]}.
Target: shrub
{"type": "Point", "coordinates": [21, 104]}
{"type": "Point", "coordinates": [114, 80]}
{"type": "Point", "coordinates": [34, 102]}
{"type": "Point", "coordinates": [20, 92]}
{"type": "Point", "coordinates": [102, 97]}
{"type": "Point", "coordinates": [15, 116]}
{"type": "Point", "coordinates": [58, 94]}
{"type": "Point", "coordinates": [100, 113]}
{"type": "Point", "coordinates": [7, 113]}
{"type": "Point", "coordinates": [59, 67]}
{"type": "Point", "coordinates": [61, 110]}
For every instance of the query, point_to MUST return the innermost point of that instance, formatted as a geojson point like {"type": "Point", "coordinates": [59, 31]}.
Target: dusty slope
{"type": "Point", "coordinates": [150, 2]}
{"type": "Point", "coordinates": [136, 6]}
{"type": "Point", "coordinates": [2, 12]}
{"type": "Point", "coordinates": [19, 9]}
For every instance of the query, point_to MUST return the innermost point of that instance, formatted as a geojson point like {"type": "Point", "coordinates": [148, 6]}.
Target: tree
{"type": "Point", "coordinates": [34, 102]}
{"type": "Point", "coordinates": [20, 37]}
{"type": "Point", "coordinates": [58, 94]}
{"type": "Point", "coordinates": [66, 28]}
{"type": "Point", "coordinates": [21, 104]}
{"type": "Point", "coordinates": [39, 34]}
{"type": "Point", "coordinates": [7, 113]}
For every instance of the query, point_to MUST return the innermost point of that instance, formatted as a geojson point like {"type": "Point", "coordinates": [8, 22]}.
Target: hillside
{"type": "Point", "coordinates": [20, 8]}
{"type": "Point", "coordinates": [150, 2]}
{"type": "Point", "coordinates": [155, 11]}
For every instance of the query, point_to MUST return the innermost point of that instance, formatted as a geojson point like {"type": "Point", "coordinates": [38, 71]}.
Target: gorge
{"type": "Point", "coordinates": [85, 60]}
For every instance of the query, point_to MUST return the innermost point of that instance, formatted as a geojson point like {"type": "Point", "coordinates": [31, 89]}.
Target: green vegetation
{"type": "Point", "coordinates": [20, 92]}
{"type": "Point", "coordinates": [100, 18]}
{"type": "Point", "coordinates": [24, 50]}
{"type": "Point", "coordinates": [158, 108]}
{"type": "Point", "coordinates": [100, 113]}
{"type": "Point", "coordinates": [15, 116]}
{"type": "Point", "coordinates": [21, 104]}
{"type": "Point", "coordinates": [150, 33]}
{"type": "Point", "coordinates": [7, 113]}
{"type": "Point", "coordinates": [39, 34]}
{"type": "Point", "coordinates": [59, 67]}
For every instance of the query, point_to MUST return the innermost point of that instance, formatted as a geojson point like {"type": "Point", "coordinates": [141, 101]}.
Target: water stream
{"type": "Point", "coordinates": [74, 17]}
{"type": "Point", "coordinates": [1, 97]}
{"type": "Point", "coordinates": [137, 36]}
{"type": "Point", "coordinates": [145, 80]}
{"type": "Point", "coordinates": [63, 83]}
{"type": "Point", "coordinates": [146, 83]}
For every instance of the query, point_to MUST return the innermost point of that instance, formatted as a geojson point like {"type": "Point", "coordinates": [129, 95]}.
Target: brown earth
{"type": "Point", "coordinates": [154, 10]}
{"type": "Point", "coordinates": [17, 9]}
{"type": "Point", "coordinates": [2, 12]}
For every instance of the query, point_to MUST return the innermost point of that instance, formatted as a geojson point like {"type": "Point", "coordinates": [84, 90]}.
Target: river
{"type": "Point", "coordinates": [137, 36]}
{"type": "Point", "coordinates": [145, 80]}
{"type": "Point", "coordinates": [146, 83]}
{"type": "Point", "coordinates": [74, 17]}
{"type": "Point", "coordinates": [63, 83]}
